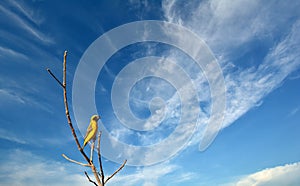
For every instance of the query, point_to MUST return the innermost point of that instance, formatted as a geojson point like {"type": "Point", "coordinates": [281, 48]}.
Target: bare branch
{"type": "Point", "coordinates": [120, 168]}
{"type": "Point", "coordinates": [92, 150]}
{"type": "Point", "coordinates": [67, 108]}
{"type": "Point", "coordinates": [90, 178]}
{"type": "Point", "coordinates": [80, 148]}
{"type": "Point", "coordinates": [73, 161]}
{"type": "Point", "coordinates": [55, 77]}
{"type": "Point", "coordinates": [99, 158]}
{"type": "Point", "coordinates": [70, 122]}
{"type": "Point", "coordinates": [69, 118]}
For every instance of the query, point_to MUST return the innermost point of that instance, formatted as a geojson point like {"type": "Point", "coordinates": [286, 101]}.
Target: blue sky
{"type": "Point", "coordinates": [256, 44]}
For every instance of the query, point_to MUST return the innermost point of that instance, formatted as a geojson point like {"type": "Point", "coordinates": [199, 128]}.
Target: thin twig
{"type": "Point", "coordinates": [92, 150]}
{"type": "Point", "coordinates": [73, 161]}
{"type": "Point", "coordinates": [55, 77]}
{"type": "Point", "coordinates": [120, 168]}
{"type": "Point", "coordinates": [90, 178]}
{"type": "Point", "coordinates": [67, 106]}
{"type": "Point", "coordinates": [100, 159]}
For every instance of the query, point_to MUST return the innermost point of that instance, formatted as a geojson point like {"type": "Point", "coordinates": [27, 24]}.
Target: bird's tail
{"type": "Point", "coordinates": [84, 144]}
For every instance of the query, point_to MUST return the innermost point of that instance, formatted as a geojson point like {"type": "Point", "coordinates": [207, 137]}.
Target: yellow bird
{"type": "Point", "coordinates": [91, 130]}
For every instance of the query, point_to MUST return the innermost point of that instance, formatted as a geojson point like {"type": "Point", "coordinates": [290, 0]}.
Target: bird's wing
{"type": "Point", "coordinates": [89, 129]}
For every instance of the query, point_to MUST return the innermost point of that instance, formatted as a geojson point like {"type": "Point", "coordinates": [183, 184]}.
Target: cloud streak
{"type": "Point", "coordinates": [9, 52]}
{"type": "Point", "coordinates": [227, 28]}
{"type": "Point", "coordinates": [20, 22]}
{"type": "Point", "coordinates": [281, 175]}
{"type": "Point", "coordinates": [4, 134]}
{"type": "Point", "coordinates": [25, 10]}
{"type": "Point", "coordinates": [246, 88]}
{"type": "Point", "coordinates": [19, 96]}
{"type": "Point", "coordinates": [147, 176]}
{"type": "Point", "coordinates": [21, 167]}
{"type": "Point", "coordinates": [9, 95]}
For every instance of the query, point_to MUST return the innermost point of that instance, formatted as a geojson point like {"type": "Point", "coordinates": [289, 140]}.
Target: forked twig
{"type": "Point", "coordinates": [86, 174]}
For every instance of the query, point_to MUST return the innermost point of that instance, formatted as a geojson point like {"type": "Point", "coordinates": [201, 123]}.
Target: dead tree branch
{"type": "Point", "coordinates": [100, 163]}
{"type": "Point", "coordinates": [55, 77]}
{"type": "Point", "coordinates": [64, 86]}
{"type": "Point", "coordinates": [92, 150]}
{"type": "Point", "coordinates": [88, 160]}
{"type": "Point", "coordinates": [120, 168]}
{"type": "Point", "coordinates": [73, 161]}
{"type": "Point", "coordinates": [100, 159]}
{"type": "Point", "coordinates": [86, 174]}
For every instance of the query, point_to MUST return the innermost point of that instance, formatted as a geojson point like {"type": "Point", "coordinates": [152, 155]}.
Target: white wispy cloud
{"type": "Point", "coordinates": [26, 11]}
{"type": "Point", "coordinates": [184, 177]}
{"type": "Point", "coordinates": [21, 167]}
{"type": "Point", "coordinates": [151, 175]}
{"type": "Point", "coordinates": [19, 21]}
{"type": "Point", "coordinates": [224, 28]}
{"type": "Point", "coordinates": [280, 175]}
{"type": "Point", "coordinates": [293, 112]}
{"type": "Point", "coordinates": [19, 96]}
{"type": "Point", "coordinates": [158, 148]}
{"type": "Point", "coordinates": [227, 26]}
{"type": "Point", "coordinates": [144, 176]}
{"type": "Point", "coordinates": [10, 95]}
{"type": "Point", "coordinates": [4, 51]}
{"type": "Point", "coordinates": [8, 135]}
{"type": "Point", "coordinates": [224, 25]}
{"type": "Point", "coordinates": [246, 88]}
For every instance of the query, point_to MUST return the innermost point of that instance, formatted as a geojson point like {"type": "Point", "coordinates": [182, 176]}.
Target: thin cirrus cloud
{"type": "Point", "coordinates": [144, 176]}
{"type": "Point", "coordinates": [19, 21]}
{"type": "Point", "coordinates": [251, 85]}
{"type": "Point", "coordinates": [223, 26]}
{"type": "Point", "coordinates": [7, 94]}
{"type": "Point", "coordinates": [246, 87]}
{"type": "Point", "coordinates": [11, 53]}
{"type": "Point", "coordinates": [18, 96]}
{"type": "Point", "coordinates": [11, 137]}
{"type": "Point", "coordinates": [25, 168]}
{"type": "Point", "coordinates": [293, 112]}
{"type": "Point", "coordinates": [27, 12]}
{"type": "Point", "coordinates": [150, 175]}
